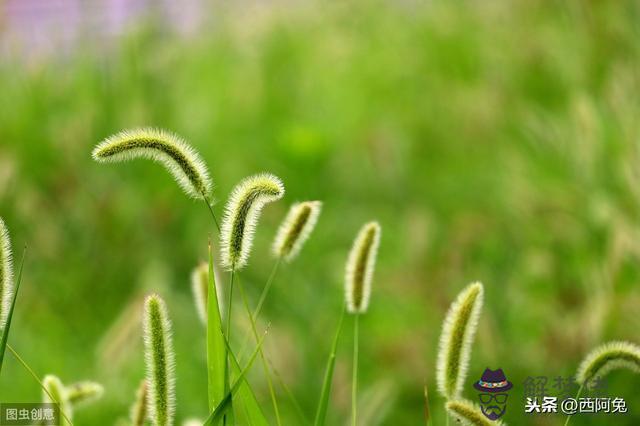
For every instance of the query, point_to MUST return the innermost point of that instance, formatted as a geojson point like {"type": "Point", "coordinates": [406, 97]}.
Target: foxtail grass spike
{"type": "Point", "coordinates": [200, 289]}
{"type": "Point", "coordinates": [458, 331]}
{"type": "Point", "coordinates": [241, 216]}
{"type": "Point", "coordinates": [138, 413]}
{"type": "Point", "coordinates": [6, 275]}
{"type": "Point", "coordinates": [607, 357]}
{"type": "Point", "coordinates": [161, 146]}
{"type": "Point", "coordinates": [159, 359]}
{"type": "Point", "coordinates": [56, 390]}
{"type": "Point", "coordinates": [82, 393]}
{"type": "Point", "coordinates": [469, 414]}
{"type": "Point", "coordinates": [296, 229]}
{"type": "Point", "coordinates": [360, 266]}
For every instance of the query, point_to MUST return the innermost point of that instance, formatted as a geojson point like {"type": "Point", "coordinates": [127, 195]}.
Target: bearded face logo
{"type": "Point", "coordinates": [493, 387]}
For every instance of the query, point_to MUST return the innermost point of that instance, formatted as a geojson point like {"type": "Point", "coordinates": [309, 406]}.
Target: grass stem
{"type": "Point", "coordinates": [354, 384]}
{"type": "Point", "coordinates": [213, 215]}
{"type": "Point", "coordinates": [577, 397]}
{"type": "Point", "coordinates": [263, 359]}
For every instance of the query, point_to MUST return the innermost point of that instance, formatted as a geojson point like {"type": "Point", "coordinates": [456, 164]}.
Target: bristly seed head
{"type": "Point", "coordinates": [458, 331]}
{"type": "Point", "coordinates": [159, 359]}
{"type": "Point", "coordinates": [138, 413]}
{"type": "Point", "coordinates": [469, 414]}
{"type": "Point", "coordinates": [607, 357]}
{"type": "Point", "coordinates": [6, 275]}
{"type": "Point", "coordinates": [296, 229]}
{"type": "Point", "coordinates": [241, 216]}
{"type": "Point", "coordinates": [360, 266]}
{"type": "Point", "coordinates": [57, 390]}
{"type": "Point", "coordinates": [168, 149]}
{"type": "Point", "coordinates": [200, 289]}
{"type": "Point", "coordinates": [82, 393]}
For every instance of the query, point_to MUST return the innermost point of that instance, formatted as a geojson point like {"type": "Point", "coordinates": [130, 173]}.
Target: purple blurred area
{"type": "Point", "coordinates": [36, 28]}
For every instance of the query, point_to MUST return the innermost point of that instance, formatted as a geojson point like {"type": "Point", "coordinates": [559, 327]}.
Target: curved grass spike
{"type": "Point", "coordinates": [607, 357]}
{"type": "Point", "coordinates": [159, 359]}
{"type": "Point", "coordinates": [241, 216]}
{"type": "Point", "coordinates": [168, 149]}
{"type": "Point", "coordinates": [296, 229]}
{"type": "Point", "coordinates": [468, 414]}
{"type": "Point", "coordinates": [6, 275]}
{"type": "Point", "coordinates": [56, 390]}
{"type": "Point", "coordinates": [82, 393]}
{"type": "Point", "coordinates": [360, 266]}
{"type": "Point", "coordinates": [138, 412]}
{"type": "Point", "coordinates": [458, 331]}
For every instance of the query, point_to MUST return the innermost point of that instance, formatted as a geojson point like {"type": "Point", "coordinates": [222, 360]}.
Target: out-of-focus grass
{"type": "Point", "coordinates": [495, 141]}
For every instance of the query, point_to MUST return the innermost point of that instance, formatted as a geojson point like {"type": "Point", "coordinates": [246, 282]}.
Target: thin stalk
{"type": "Point", "coordinates": [354, 384]}
{"type": "Point", "coordinates": [266, 288]}
{"type": "Point", "coordinates": [213, 215]}
{"type": "Point", "coordinates": [577, 396]}
{"type": "Point", "coordinates": [323, 403]}
{"type": "Point", "coordinates": [35, 376]}
{"type": "Point", "coordinates": [427, 411]}
{"type": "Point", "coordinates": [265, 366]}
{"type": "Point", "coordinates": [290, 394]}
{"type": "Point", "coordinates": [228, 336]}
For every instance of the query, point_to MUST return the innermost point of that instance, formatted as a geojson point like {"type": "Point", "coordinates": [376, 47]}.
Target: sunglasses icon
{"type": "Point", "coordinates": [486, 398]}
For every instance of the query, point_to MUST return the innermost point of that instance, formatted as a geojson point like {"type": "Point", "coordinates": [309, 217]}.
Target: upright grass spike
{"type": "Point", "coordinates": [82, 393]}
{"type": "Point", "coordinates": [607, 357]}
{"type": "Point", "coordinates": [241, 216]}
{"type": "Point", "coordinates": [296, 229]}
{"type": "Point", "coordinates": [199, 288]}
{"type": "Point", "coordinates": [168, 149]}
{"type": "Point", "coordinates": [358, 276]}
{"type": "Point", "coordinates": [138, 413]}
{"type": "Point", "coordinates": [360, 266]}
{"type": "Point", "coordinates": [6, 275]}
{"type": "Point", "coordinates": [458, 331]}
{"type": "Point", "coordinates": [159, 359]}
{"type": "Point", "coordinates": [56, 393]}
{"type": "Point", "coordinates": [469, 414]}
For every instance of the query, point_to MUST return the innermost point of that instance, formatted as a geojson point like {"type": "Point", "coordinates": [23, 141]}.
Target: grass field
{"type": "Point", "coordinates": [494, 141]}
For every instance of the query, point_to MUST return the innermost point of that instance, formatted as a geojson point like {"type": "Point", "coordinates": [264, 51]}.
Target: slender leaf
{"type": "Point", "coordinates": [225, 404]}
{"type": "Point", "coordinates": [323, 404]}
{"type": "Point", "coordinates": [216, 348]}
{"type": "Point", "coordinates": [5, 332]}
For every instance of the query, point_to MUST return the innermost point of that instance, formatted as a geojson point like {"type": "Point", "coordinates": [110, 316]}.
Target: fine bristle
{"type": "Point", "coordinates": [469, 414]}
{"type": "Point", "coordinates": [161, 146]}
{"type": "Point", "coordinates": [360, 267]}
{"type": "Point", "coordinates": [296, 229]}
{"type": "Point", "coordinates": [607, 357]}
{"type": "Point", "coordinates": [458, 331]}
{"type": "Point", "coordinates": [159, 359]}
{"type": "Point", "coordinates": [6, 274]}
{"type": "Point", "coordinates": [241, 217]}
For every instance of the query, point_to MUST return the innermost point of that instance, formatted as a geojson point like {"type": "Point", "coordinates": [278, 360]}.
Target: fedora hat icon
{"type": "Point", "coordinates": [493, 381]}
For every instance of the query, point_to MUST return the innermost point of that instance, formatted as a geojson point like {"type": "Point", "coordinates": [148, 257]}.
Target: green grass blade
{"type": "Point", "coordinates": [5, 332]}
{"type": "Point", "coordinates": [323, 404]}
{"type": "Point", "coordinates": [216, 347]}
{"type": "Point", "coordinates": [217, 414]}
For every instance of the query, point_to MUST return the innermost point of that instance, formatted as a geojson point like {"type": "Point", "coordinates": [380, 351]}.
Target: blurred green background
{"type": "Point", "coordinates": [494, 141]}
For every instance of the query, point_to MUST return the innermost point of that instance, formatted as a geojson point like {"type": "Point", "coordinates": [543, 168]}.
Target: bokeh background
{"type": "Point", "coordinates": [494, 141]}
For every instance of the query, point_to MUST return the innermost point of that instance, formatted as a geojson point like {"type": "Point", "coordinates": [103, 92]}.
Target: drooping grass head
{"type": "Point", "coordinates": [458, 331]}
{"type": "Point", "coordinates": [168, 149]}
{"type": "Point", "coordinates": [605, 358]}
{"type": "Point", "coordinates": [55, 388]}
{"type": "Point", "coordinates": [6, 274]}
{"type": "Point", "coordinates": [296, 229]}
{"type": "Point", "coordinates": [159, 360]}
{"type": "Point", "coordinates": [469, 414]}
{"type": "Point", "coordinates": [82, 393]}
{"type": "Point", "coordinates": [360, 266]}
{"type": "Point", "coordinates": [241, 216]}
